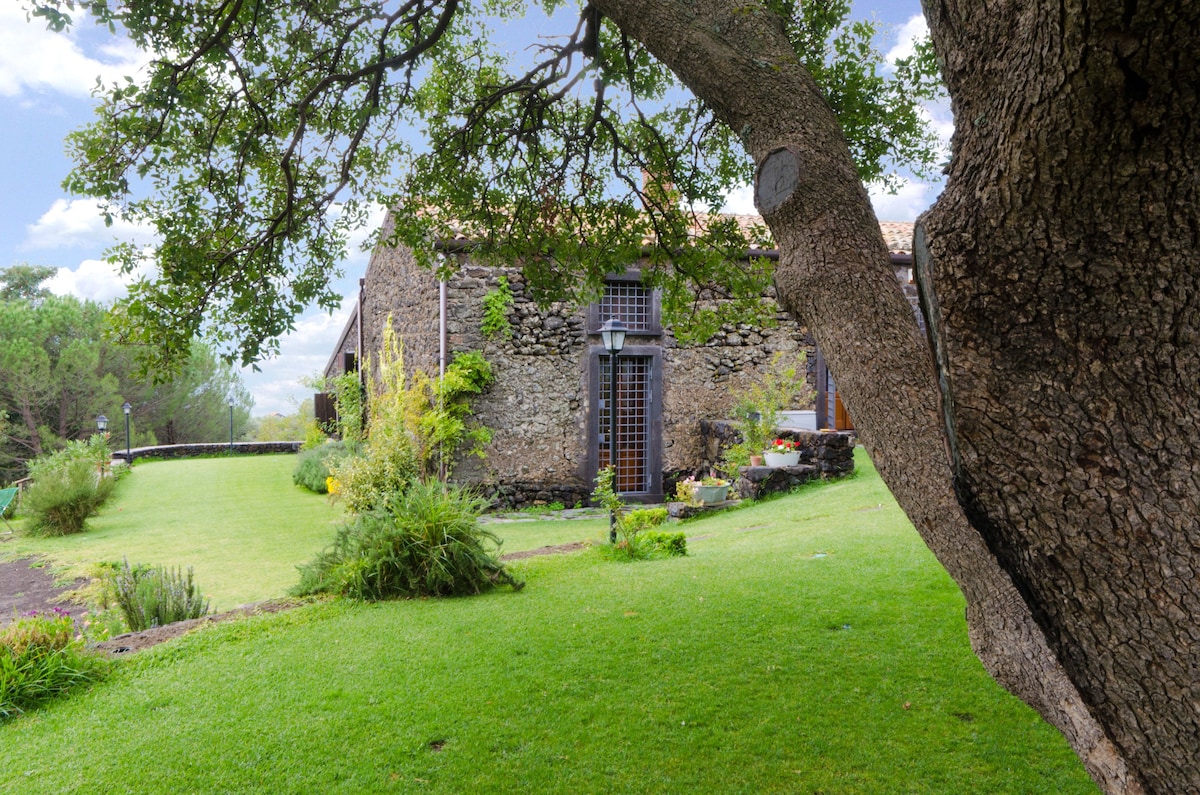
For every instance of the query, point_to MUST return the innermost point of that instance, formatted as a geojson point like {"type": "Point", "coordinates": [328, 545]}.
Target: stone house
{"type": "Point", "coordinates": [548, 408]}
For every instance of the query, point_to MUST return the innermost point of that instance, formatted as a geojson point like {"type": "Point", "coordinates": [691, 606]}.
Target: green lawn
{"type": "Point", "coordinates": [239, 522]}
{"type": "Point", "coordinates": [806, 645]}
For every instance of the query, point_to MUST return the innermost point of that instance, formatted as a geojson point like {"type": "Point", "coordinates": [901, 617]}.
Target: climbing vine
{"type": "Point", "coordinates": [496, 304]}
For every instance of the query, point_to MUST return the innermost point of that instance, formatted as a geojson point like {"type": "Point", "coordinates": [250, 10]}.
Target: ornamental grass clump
{"type": "Point", "coordinates": [67, 487]}
{"type": "Point", "coordinates": [425, 541]}
{"type": "Point", "coordinates": [40, 658]}
{"type": "Point", "coordinates": [154, 596]}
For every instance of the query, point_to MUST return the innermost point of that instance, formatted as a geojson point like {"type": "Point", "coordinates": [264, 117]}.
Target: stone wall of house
{"type": "Point", "coordinates": [347, 343]}
{"type": "Point", "coordinates": [538, 408]}
{"type": "Point", "coordinates": [703, 382]}
{"type": "Point", "coordinates": [904, 276]}
{"type": "Point", "coordinates": [395, 286]}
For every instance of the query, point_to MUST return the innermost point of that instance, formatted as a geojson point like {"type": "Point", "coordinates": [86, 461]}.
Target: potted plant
{"type": "Point", "coordinates": [756, 410]}
{"type": "Point", "coordinates": [710, 490]}
{"type": "Point", "coordinates": [782, 453]}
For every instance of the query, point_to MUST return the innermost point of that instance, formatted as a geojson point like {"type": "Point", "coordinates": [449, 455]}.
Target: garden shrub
{"type": "Point", "coordinates": [313, 466]}
{"type": "Point", "coordinates": [425, 541]}
{"type": "Point", "coordinates": [314, 437]}
{"type": "Point", "coordinates": [756, 409]}
{"type": "Point", "coordinates": [348, 398]}
{"type": "Point", "coordinates": [67, 487]}
{"type": "Point", "coordinates": [641, 519]}
{"type": "Point", "coordinates": [660, 541]}
{"type": "Point", "coordinates": [153, 596]}
{"type": "Point", "coordinates": [416, 425]}
{"type": "Point", "coordinates": [631, 526]}
{"type": "Point", "coordinates": [386, 466]}
{"type": "Point", "coordinates": [40, 658]}
{"type": "Point", "coordinates": [438, 410]}
{"type": "Point", "coordinates": [387, 459]}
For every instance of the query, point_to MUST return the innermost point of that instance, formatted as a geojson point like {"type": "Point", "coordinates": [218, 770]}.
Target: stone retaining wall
{"type": "Point", "coordinates": [831, 452]}
{"type": "Point", "coordinates": [528, 495]}
{"type": "Point", "coordinates": [208, 449]}
{"type": "Point", "coordinates": [755, 482]}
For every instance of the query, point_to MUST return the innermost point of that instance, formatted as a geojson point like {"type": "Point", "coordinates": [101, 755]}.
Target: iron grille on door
{"type": "Point", "coordinates": [633, 421]}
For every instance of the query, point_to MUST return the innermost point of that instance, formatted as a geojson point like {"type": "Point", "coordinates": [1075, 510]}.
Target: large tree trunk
{"type": "Point", "coordinates": [1054, 521]}
{"type": "Point", "coordinates": [1064, 285]}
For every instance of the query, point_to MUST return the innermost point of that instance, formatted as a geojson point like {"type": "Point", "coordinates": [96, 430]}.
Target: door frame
{"type": "Point", "coordinates": [654, 492]}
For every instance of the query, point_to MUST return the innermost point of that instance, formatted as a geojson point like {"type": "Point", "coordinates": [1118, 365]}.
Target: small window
{"type": "Point", "coordinates": [629, 303]}
{"type": "Point", "coordinates": [636, 306]}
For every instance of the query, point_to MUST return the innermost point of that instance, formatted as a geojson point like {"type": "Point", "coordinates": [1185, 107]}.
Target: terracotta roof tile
{"type": "Point", "coordinates": [896, 234]}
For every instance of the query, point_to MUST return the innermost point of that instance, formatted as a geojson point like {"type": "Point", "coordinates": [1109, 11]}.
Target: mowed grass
{"type": "Point", "coordinates": [807, 644]}
{"type": "Point", "coordinates": [240, 523]}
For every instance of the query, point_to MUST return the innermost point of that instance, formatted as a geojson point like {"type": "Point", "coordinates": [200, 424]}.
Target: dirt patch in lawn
{"type": "Point", "coordinates": [136, 641]}
{"type": "Point", "coordinates": [557, 549]}
{"type": "Point", "coordinates": [28, 586]}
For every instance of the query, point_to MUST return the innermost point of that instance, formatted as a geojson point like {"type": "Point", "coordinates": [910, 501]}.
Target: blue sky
{"type": "Point", "coordinates": [45, 84]}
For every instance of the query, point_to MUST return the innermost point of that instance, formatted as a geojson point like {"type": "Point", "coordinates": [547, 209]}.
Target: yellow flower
{"type": "Point", "coordinates": [332, 485]}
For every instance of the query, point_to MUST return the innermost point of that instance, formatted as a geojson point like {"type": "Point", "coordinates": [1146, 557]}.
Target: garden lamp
{"type": "Point", "coordinates": [612, 333]}
{"type": "Point", "coordinates": [127, 408]}
{"type": "Point", "coordinates": [102, 423]}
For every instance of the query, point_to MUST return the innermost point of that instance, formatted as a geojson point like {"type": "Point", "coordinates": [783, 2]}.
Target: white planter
{"type": "Point", "coordinates": [781, 459]}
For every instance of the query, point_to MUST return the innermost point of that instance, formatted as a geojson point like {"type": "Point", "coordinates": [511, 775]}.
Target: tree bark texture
{"type": "Point", "coordinates": [1064, 285]}
{"type": "Point", "coordinates": [834, 273]}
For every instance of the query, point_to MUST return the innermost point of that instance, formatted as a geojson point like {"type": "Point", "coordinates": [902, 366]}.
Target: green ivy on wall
{"type": "Point", "coordinates": [496, 303]}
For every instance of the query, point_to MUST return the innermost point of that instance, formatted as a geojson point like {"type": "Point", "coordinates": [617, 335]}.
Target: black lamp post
{"type": "Point", "coordinates": [127, 408]}
{"type": "Point", "coordinates": [612, 334]}
{"type": "Point", "coordinates": [231, 425]}
{"type": "Point", "coordinates": [102, 426]}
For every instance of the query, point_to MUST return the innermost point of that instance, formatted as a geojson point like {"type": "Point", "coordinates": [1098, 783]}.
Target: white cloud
{"type": "Point", "coordinates": [303, 353]}
{"type": "Point", "coordinates": [79, 223]}
{"type": "Point", "coordinates": [35, 59]}
{"type": "Point", "coordinates": [740, 201]}
{"type": "Point", "coordinates": [936, 113]}
{"type": "Point", "coordinates": [912, 199]}
{"type": "Point", "coordinates": [94, 280]}
{"type": "Point", "coordinates": [907, 35]}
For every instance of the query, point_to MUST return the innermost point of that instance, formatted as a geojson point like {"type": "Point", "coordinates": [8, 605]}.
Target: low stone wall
{"type": "Point", "coordinates": [199, 450]}
{"type": "Point", "coordinates": [755, 482]}
{"type": "Point", "coordinates": [830, 452]}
